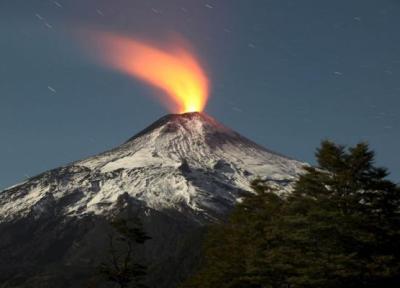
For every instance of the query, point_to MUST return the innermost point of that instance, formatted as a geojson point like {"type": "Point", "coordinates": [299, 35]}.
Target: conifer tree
{"type": "Point", "coordinates": [340, 227]}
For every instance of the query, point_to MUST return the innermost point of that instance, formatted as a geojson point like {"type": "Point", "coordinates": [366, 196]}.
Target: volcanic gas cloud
{"type": "Point", "coordinates": [174, 69]}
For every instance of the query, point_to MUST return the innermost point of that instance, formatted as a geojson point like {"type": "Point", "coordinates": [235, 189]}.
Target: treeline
{"type": "Point", "coordinates": [339, 228]}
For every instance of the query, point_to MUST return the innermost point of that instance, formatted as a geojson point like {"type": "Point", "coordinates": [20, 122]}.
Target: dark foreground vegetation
{"type": "Point", "coordinates": [122, 268]}
{"type": "Point", "coordinates": [339, 228]}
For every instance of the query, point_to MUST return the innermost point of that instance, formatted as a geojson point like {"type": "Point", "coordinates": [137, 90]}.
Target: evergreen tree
{"type": "Point", "coordinates": [339, 228]}
{"type": "Point", "coordinates": [122, 268]}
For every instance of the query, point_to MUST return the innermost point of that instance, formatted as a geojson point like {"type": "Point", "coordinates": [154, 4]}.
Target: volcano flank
{"type": "Point", "coordinates": [182, 172]}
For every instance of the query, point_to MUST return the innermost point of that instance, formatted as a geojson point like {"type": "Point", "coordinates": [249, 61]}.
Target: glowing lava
{"type": "Point", "coordinates": [176, 71]}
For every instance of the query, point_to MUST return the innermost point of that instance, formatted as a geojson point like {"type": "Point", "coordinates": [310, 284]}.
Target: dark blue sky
{"type": "Point", "coordinates": [284, 73]}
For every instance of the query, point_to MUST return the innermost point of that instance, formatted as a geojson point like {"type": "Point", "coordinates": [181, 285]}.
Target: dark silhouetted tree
{"type": "Point", "coordinates": [340, 227]}
{"type": "Point", "coordinates": [122, 267]}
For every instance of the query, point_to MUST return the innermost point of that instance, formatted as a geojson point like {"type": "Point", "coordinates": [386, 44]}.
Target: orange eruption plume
{"type": "Point", "coordinates": [176, 71]}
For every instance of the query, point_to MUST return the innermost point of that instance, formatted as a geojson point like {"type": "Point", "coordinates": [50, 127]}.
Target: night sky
{"type": "Point", "coordinates": [285, 74]}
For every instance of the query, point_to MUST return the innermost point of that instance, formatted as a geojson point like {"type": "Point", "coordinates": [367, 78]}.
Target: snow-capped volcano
{"type": "Point", "coordinates": [178, 174]}
{"type": "Point", "coordinates": [186, 162]}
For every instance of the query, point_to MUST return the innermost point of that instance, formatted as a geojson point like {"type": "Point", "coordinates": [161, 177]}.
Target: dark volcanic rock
{"type": "Point", "coordinates": [65, 252]}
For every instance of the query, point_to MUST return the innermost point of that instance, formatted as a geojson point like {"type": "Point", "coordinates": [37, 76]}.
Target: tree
{"type": "Point", "coordinates": [339, 228]}
{"type": "Point", "coordinates": [122, 269]}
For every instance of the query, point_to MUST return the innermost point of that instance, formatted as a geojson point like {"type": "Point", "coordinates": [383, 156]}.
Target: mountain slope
{"type": "Point", "coordinates": [180, 173]}
{"type": "Point", "coordinates": [185, 162]}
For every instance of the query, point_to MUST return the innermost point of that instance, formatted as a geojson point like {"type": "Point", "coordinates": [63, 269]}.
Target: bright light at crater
{"type": "Point", "coordinates": [175, 70]}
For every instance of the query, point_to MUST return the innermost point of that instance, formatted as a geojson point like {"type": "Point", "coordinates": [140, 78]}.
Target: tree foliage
{"type": "Point", "coordinates": [122, 268]}
{"type": "Point", "coordinates": [339, 228]}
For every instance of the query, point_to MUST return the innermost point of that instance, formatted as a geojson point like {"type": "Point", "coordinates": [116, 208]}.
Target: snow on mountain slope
{"type": "Point", "coordinates": [187, 162]}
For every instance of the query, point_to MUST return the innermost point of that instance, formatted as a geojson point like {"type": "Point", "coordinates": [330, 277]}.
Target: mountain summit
{"type": "Point", "coordinates": [186, 162]}
{"type": "Point", "coordinates": [180, 173]}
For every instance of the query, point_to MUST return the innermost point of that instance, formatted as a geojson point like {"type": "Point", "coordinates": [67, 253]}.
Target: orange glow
{"type": "Point", "coordinates": [177, 72]}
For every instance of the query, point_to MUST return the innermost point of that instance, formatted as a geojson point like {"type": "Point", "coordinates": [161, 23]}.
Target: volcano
{"type": "Point", "coordinates": [182, 172]}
